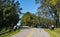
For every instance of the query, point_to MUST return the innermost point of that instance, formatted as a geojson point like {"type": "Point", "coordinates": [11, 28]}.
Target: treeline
{"type": "Point", "coordinates": [29, 19]}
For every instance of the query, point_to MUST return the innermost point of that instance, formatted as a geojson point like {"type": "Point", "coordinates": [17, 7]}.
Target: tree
{"type": "Point", "coordinates": [29, 19]}
{"type": "Point", "coordinates": [25, 20]}
{"type": "Point", "coordinates": [53, 7]}
{"type": "Point", "coordinates": [9, 13]}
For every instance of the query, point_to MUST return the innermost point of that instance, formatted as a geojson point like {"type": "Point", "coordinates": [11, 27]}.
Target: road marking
{"type": "Point", "coordinates": [30, 34]}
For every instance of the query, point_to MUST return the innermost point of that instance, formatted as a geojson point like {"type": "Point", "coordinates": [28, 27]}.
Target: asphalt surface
{"type": "Point", "coordinates": [32, 32]}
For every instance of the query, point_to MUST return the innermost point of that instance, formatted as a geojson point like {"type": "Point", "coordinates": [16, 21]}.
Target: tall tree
{"type": "Point", "coordinates": [9, 11]}
{"type": "Point", "coordinates": [29, 19]}
{"type": "Point", "coordinates": [53, 7]}
{"type": "Point", "coordinates": [25, 20]}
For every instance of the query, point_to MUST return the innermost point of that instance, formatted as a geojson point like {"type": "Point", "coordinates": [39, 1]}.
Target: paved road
{"type": "Point", "coordinates": [32, 32]}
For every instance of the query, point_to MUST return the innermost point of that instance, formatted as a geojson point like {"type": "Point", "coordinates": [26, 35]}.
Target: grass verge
{"type": "Point", "coordinates": [54, 33]}
{"type": "Point", "coordinates": [11, 33]}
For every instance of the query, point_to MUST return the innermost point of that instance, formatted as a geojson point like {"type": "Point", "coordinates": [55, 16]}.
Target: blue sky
{"type": "Point", "coordinates": [28, 6]}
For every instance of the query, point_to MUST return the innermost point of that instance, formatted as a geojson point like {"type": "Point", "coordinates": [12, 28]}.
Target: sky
{"type": "Point", "coordinates": [28, 6]}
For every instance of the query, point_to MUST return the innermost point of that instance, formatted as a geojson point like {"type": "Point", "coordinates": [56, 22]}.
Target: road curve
{"type": "Point", "coordinates": [32, 32]}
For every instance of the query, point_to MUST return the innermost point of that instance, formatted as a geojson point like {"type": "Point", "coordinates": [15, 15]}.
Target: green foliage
{"type": "Point", "coordinates": [25, 19]}
{"type": "Point", "coordinates": [51, 7]}
{"type": "Point", "coordinates": [29, 19]}
{"type": "Point", "coordinates": [9, 13]}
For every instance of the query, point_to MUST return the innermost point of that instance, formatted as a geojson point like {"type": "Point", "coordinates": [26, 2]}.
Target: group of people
{"type": "Point", "coordinates": [51, 27]}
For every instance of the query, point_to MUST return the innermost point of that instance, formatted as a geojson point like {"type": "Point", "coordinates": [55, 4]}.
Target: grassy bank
{"type": "Point", "coordinates": [11, 33]}
{"type": "Point", "coordinates": [54, 33]}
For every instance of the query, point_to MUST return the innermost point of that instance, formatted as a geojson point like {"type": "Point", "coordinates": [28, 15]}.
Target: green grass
{"type": "Point", "coordinates": [3, 30]}
{"type": "Point", "coordinates": [54, 33]}
{"type": "Point", "coordinates": [10, 33]}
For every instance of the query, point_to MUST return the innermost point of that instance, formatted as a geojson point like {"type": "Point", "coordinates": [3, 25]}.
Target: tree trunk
{"type": "Point", "coordinates": [57, 23]}
{"type": "Point", "coordinates": [57, 18]}
{"type": "Point", "coordinates": [39, 20]}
